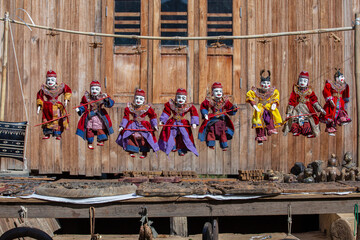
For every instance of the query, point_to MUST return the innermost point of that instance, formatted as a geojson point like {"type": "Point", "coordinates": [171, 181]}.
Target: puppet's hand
{"type": "Point", "coordinates": [194, 126]}
{"type": "Point", "coordinates": [206, 117]}
{"type": "Point", "coordinates": [38, 110]}
{"type": "Point", "coordinates": [323, 111]}
{"type": "Point", "coordinates": [161, 123]}
{"type": "Point", "coordinates": [332, 103]}
{"type": "Point", "coordinates": [66, 103]}
{"type": "Point", "coordinates": [120, 129]}
{"type": "Point", "coordinates": [256, 108]}
{"type": "Point", "coordinates": [78, 111]}
{"type": "Point", "coordinates": [156, 128]}
{"type": "Point", "coordinates": [273, 106]}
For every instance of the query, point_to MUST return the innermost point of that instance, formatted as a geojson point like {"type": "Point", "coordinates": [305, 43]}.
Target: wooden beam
{"type": "Point", "coordinates": [176, 208]}
{"type": "Point", "coordinates": [357, 78]}
{"type": "Point", "coordinates": [4, 64]}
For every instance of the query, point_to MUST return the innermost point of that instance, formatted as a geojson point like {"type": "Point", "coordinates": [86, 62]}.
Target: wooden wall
{"type": "Point", "coordinates": [160, 70]}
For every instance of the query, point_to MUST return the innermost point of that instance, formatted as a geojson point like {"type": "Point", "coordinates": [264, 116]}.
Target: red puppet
{"type": "Point", "coordinates": [301, 117]}
{"type": "Point", "coordinates": [177, 134]}
{"type": "Point", "coordinates": [94, 120]}
{"type": "Point", "coordinates": [217, 126]}
{"type": "Point", "coordinates": [53, 110]}
{"type": "Point", "coordinates": [337, 96]}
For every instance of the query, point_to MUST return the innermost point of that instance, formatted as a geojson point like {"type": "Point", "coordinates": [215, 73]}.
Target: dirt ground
{"type": "Point", "coordinates": [223, 236]}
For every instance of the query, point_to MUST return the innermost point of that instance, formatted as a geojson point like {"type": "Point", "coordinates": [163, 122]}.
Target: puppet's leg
{"type": "Point", "coordinates": [181, 148]}
{"type": "Point", "coordinates": [343, 119]}
{"type": "Point", "coordinates": [260, 135]}
{"type": "Point", "coordinates": [90, 137]}
{"type": "Point", "coordinates": [330, 128]}
{"type": "Point", "coordinates": [101, 137]}
{"type": "Point", "coordinates": [220, 129]}
{"type": "Point", "coordinates": [210, 138]}
{"type": "Point", "coordinates": [306, 130]}
{"type": "Point", "coordinates": [295, 129]}
{"type": "Point", "coordinates": [132, 145]}
{"type": "Point", "coordinates": [144, 146]}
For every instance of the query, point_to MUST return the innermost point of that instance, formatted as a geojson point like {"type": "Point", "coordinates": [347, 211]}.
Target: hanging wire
{"type": "Point", "coordinates": [28, 16]}
{"type": "Point", "coordinates": [22, 94]}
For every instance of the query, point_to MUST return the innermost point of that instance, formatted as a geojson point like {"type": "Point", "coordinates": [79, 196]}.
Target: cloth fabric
{"type": "Point", "coordinates": [12, 139]}
{"type": "Point", "coordinates": [52, 108]}
{"type": "Point", "coordinates": [303, 101]}
{"type": "Point", "coordinates": [94, 117]}
{"type": "Point", "coordinates": [216, 106]}
{"type": "Point", "coordinates": [138, 122]}
{"type": "Point", "coordinates": [335, 115]}
{"type": "Point", "coordinates": [178, 137]}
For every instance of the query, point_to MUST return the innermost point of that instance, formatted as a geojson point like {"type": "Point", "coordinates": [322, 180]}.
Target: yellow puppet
{"type": "Point", "coordinates": [266, 117]}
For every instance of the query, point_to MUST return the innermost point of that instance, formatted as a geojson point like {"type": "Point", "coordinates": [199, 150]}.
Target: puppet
{"type": "Point", "coordinates": [94, 118]}
{"type": "Point", "coordinates": [53, 111]}
{"type": "Point", "coordinates": [176, 134]}
{"type": "Point", "coordinates": [266, 117]}
{"type": "Point", "coordinates": [217, 125]}
{"type": "Point", "coordinates": [336, 94]}
{"type": "Point", "coordinates": [137, 134]}
{"type": "Point", "coordinates": [301, 115]}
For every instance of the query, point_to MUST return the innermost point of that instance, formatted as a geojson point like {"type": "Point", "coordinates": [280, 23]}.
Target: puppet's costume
{"type": "Point", "coordinates": [52, 108]}
{"type": "Point", "coordinates": [266, 117]}
{"type": "Point", "coordinates": [174, 137]}
{"type": "Point", "coordinates": [137, 134]}
{"type": "Point", "coordinates": [302, 111]}
{"type": "Point", "coordinates": [217, 127]}
{"type": "Point", "coordinates": [94, 118]}
{"type": "Point", "coordinates": [336, 94]}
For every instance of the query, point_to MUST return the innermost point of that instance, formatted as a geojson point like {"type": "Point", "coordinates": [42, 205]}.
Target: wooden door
{"type": "Point", "coordinates": [126, 59]}
{"type": "Point", "coordinates": [173, 61]}
{"type": "Point", "coordinates": [219, 60]}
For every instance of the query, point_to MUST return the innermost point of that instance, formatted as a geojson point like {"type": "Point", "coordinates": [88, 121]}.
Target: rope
{"type": "Point", "coordinates": [356, 214]}
{"type": "Point", "coordinates": [22, 94]}
{"type": "Point", "coordinates": [92, 225]}
{"type": "Point", "coordinates": [178, 38]}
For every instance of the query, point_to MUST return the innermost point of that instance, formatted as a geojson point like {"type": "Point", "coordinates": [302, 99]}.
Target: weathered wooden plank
{"type": "Point", "coordinates": [184, 209]}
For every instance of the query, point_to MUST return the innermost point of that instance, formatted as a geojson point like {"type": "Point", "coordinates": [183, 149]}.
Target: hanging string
{"type": "Point", "coordinates": [28, 16]}
{"type": "Point", "coordinates": [356, 214]}
{"type": "Point", "coordinates": [22, 94]}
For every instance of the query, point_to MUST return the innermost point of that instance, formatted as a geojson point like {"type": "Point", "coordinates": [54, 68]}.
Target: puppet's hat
{"type": "Point", "coordinates": [338, 73]}
{"type": "Point", "coordinates": [140, 92]}
{"type": "Point", "coordinates": [181, 91]}
{"type": "Point", "coordinates": [51, 73]}
{"type": "Point", "coordinates": [95, 83]}
{"type": "Point", "coordinates": [262, 78]}
{"type": "Point", "coordinates": [216, 85]}
{"type": "Point", "coordinates": [304, 74]}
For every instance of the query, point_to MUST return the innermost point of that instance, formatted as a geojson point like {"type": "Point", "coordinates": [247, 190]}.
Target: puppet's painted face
{"type": "Point", "coordinates": [265, 85]}
{"type": "Point", "coordinates": [139, 100]}
{"type": "Point", "coordinates": [217, 92]}
{"type": "Point", "coordinates": [95, 90]}
{"type": "Point", "coordinates": [180, 99]}
{"type": "Point", "coordinates": [303, 82]}
{"type": "Point", "coordinates": [50, 81]}
{"type": "Point", "coordinates": [340, 79]}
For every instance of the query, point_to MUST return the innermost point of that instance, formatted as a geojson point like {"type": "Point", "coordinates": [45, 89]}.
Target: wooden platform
{"type": "Point", "coordinates": [185, 207]}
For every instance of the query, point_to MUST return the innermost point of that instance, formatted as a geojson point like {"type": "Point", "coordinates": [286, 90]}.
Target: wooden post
{"type": "Point", "coordinates": [178, 226]}
{"type": "Point", "coordinates": [357, 80]}
{"type": "Point", "coordinates": [4, 70]}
